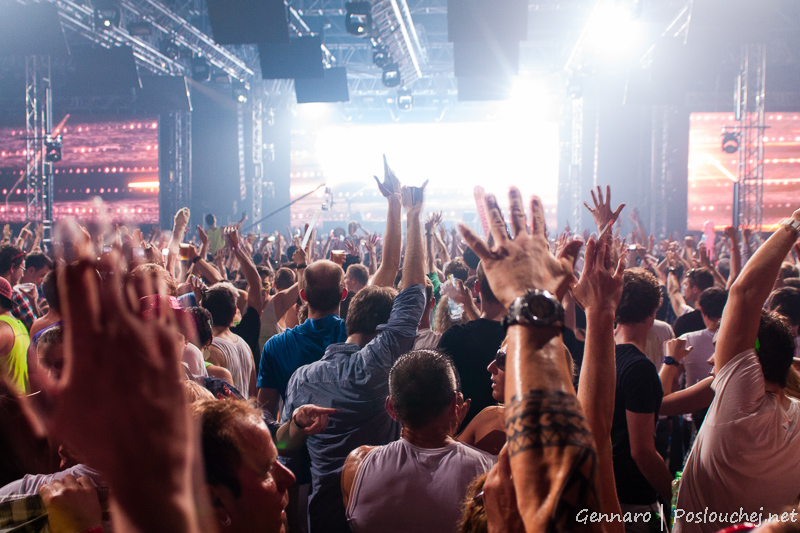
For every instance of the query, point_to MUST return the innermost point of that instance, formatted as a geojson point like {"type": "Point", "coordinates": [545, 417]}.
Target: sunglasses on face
{"type": "Point", "coordinates": [500, 360]}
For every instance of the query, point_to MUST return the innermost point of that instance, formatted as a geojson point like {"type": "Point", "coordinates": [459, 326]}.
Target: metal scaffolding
{"type": "Point", "coordinates": [749, 190]}
{"type": "Point", "coordinates": [38, 121]}
{"type": "Point", "coordinates": [177, 146]}
{"type": "Point", "coordinates": [257, 186]}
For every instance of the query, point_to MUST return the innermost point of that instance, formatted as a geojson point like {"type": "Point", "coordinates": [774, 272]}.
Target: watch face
{"type": "Point", "coordinates": [541, 308]}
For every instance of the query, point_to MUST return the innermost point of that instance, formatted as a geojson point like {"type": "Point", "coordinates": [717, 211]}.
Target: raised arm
{"type": "Point", "coordinates": [742, 314]}
{"type": "Point", "coordinates": [599, 292]}
{"type": "Point", "coordinates": [392, 241]}
{"type": "Point", "coordinates": [248, 270]}
{"type": "Point", "coordinates": [545, 457]}
{"type": "Point", "coordinates": [413, 266]}
{"type": "Point", "coordinates": [602, 213]}
{"type": "Point", "coordinates": [736, 255]}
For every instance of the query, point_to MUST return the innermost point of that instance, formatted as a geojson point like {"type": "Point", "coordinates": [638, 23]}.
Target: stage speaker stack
{"type": "Point", "coordinates": [486, 37]}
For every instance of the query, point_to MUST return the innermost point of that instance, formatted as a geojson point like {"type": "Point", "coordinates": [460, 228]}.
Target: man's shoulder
{"type": "Point", "coordinates": [630, 358]}
{"type": "Point", "coordinates": [479, 326]}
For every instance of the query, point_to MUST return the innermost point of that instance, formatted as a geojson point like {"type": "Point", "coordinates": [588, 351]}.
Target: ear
{"type": "Point", "coordinates": [344, 294]}
{"type": "Point", "coordinates": [390, 409]}
{"type": "Point", "coordinates": [303, 295]}
{"type": "Point", "coordinates": [222, 503]}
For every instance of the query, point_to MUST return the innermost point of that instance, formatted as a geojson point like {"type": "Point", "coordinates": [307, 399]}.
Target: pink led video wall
{"type": "Point", "coordinates": [713, 172]}
{"type": "Point", "coordinates": [113, 159]}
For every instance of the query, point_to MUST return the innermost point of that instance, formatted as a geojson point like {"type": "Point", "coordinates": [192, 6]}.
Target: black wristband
{"type": "Point", "coordinates": [301, 265]}
{"type": "Point", "coordinates": [195, 259]}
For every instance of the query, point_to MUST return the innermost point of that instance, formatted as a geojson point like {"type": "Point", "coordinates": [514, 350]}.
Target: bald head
{"type": "Point", "coordinates": [323, 283]}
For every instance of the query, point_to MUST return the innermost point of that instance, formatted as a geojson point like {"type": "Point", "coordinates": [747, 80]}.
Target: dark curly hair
{"type": "Point", "coordinates": [369, 308]}
{"type": "Point", "coordinates": [775, 347]}
{"type": "Point", "coordinates": [641, 297]}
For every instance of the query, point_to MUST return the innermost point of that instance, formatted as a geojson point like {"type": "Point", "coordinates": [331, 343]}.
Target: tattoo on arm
{"type": "Point", "coordinates": [551, 427]}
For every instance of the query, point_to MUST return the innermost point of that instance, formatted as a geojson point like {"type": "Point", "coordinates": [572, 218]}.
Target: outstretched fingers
{"type": "Point", "coordinates": [519, 224]}
{"type": "Point", "coordinates": [477, 244]}
{"type": "Point", "coordinates": [497, 225]}
{"type": "Point", "coordinates": [537, 216]}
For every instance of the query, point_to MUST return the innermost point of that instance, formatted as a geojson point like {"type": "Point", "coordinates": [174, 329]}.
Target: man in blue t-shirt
{"type": "Point", "coordinates": [323, 289]}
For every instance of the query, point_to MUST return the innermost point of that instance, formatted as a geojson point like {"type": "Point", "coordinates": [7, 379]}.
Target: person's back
{"type": "Point", "coordinates": [745, 457]}
{"type": "Point", "coordinates": [14, 341]}
{"type": "Point", "coordinates": [473, 346]}
{"type": "Point", "coordinates": [15, 361]}
{"type": "Point", "coordinates": [238, 361]}
{"type": "Point", "coordinates": [283, 354]}
{"type": "Point", "coordinates": [746, 452]}
{"type": "Point", "coordinates": [401, 487]}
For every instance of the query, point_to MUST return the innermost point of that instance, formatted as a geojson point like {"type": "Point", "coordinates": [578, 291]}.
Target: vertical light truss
{"type": "Point", "coordinates": [175, 174]}
{"type": "Point", "coordinates": [659, 170]}
{"type": "Point", "coordinates": [750, 187]}
{"type": "Point", "coordinates": [38, 121]}
{"type": "Point", "coordinates": [576, 164]}
{"type": "Point", "coordinates": [258, 160]}
{"type": "Point", "coordinates": [182, 158]}
{"type": "Point", "coordinates": [240, 145]}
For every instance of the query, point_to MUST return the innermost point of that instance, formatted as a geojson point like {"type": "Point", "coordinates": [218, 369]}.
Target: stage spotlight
{"type": "Point", "coordinates": [391, 75]}
{"type": "Point", "coordinates": [106, 15]}
{"type": "Point", "coordinates": [201, 70]}
{"type": "Point", "coordinates": [52, 147]}
{"type": "Point", "coordinates": [240, 90]}
{"type": "Point", "coordinates": [358, 18]}
{"type": "Point", "coordinates": [730, 142]}
{"type": "Point", "coordinates": [405, 100]}
{"type": "Point", "coordinates": [170, 49]}
{"type": "Point", "coordinates": [380, 56]}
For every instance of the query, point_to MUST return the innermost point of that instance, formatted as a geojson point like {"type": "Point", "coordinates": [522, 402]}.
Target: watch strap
{"type": "Point", "coordinates": [668, 360]}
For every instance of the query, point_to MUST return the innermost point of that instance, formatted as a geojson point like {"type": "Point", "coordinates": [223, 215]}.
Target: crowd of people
{"type": "Point", "coordinates": [425, 380]}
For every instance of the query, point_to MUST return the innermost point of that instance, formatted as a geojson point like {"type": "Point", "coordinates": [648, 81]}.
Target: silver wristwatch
{"type": "Point", "coordinates": [536, 308]}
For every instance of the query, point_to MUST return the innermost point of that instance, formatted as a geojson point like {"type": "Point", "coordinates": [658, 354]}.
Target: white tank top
{"type": "Point", "coordinates": [269, 325]}
{"type": "Point", "coordinates": [238, 361]}
{"type": "Point", "coordinates": [402, 488]}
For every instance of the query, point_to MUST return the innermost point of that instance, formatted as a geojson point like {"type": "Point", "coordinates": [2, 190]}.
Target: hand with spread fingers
{"type": "Point", "coordinates": [391, 185]}
{"type": "Point", "coordinates": [602, 213]}
{"type": "Point", "coordinates": [522, 262]}
{"type": "Point", "coordinates": [119, 403]}
{"type": "Point", "coordinates": [601, 282]}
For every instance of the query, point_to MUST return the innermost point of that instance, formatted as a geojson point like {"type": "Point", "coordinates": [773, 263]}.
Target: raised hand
{"type": "Point", "coordinates": [677, 349]}
{"type": "Point", "coordinates": [413, 198]}
{"type": "Point", "coordinates": [299, 256]}
{"type": "Point", "coordinates": [372, 243]}
{"type": "Point", "coordinates": [202, 235]}
{"type": "Point", "coordinates": [391, 185]}
{"type": "Point", "coordinates": [600, 285]}
{"type": "Point", "coordinates": [602, 212]}
{"type": "Point", "coordinates": [351, 248]}
{"type": "Point", "coordinates": [522, 262]}
{"type": "Point", "coordinates": [129, 433]}
{"type": "Point", "coordinates": [731, 233]}
{"type": "Point", "coordinates": [231, 234]}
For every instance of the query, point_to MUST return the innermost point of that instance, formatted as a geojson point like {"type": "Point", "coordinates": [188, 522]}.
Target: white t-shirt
{"type": "Point", "coordinates": [402, 488]}
{"type": "Point", "coordinates": [747, 453]}
{"type": "Point", "coordinates": [426, 339]}
{"type": "Point", "coordinates": [696, 363]}
{"type": "Point", "coordinates": [660, 333]}
{"type": "Point", "coordinates": [193, 362]}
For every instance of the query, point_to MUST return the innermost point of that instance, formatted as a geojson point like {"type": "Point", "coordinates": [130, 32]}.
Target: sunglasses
{"type": "Point", "coordinates": [500, 360]}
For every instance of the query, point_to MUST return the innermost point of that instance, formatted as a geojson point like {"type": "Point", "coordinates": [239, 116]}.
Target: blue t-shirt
{"type": "Point", "coordinates": [301, 345]}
